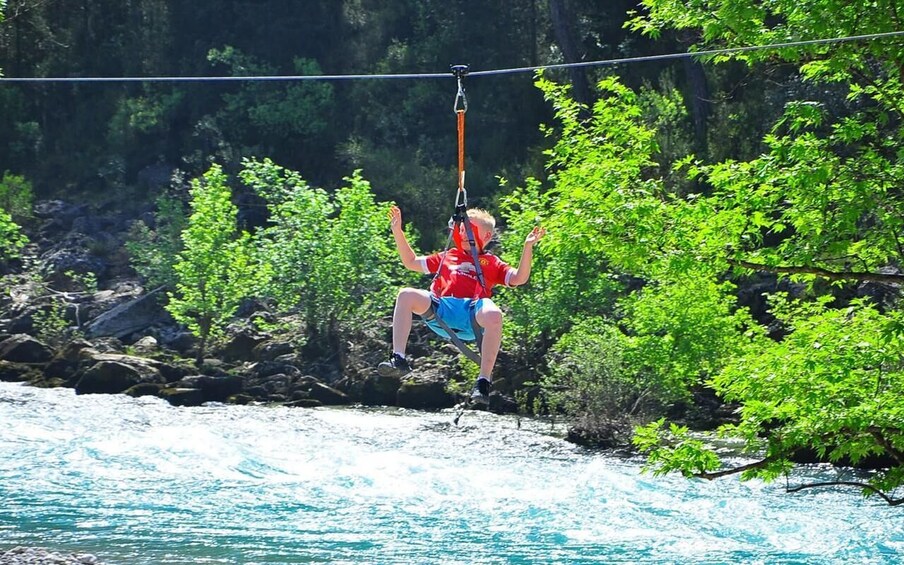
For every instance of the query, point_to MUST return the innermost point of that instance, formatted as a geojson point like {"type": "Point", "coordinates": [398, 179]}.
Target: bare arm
{"type": "Point", "coordinates": [406, 253]}
{"type": "Point", "coordinates": [522, 273]}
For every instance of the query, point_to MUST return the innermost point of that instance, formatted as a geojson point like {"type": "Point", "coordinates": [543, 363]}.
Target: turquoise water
{"type": "Point", "coordinates": [136, 481]}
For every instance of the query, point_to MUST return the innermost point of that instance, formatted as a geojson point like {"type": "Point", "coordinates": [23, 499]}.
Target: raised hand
{"type": "Point", "coordinates": [535, 235]}
{"type": "Point", "coordinates": [395, 218]}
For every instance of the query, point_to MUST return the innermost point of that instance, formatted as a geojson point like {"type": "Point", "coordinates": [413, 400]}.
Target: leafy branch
{"type": "Point", "coordinates": [862, 276]}
{"type": "Point", "coordinates": [865, 486]}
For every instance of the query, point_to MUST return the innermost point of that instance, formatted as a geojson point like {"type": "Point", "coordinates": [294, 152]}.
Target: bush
{"type": "Point", "coordinates": [330, 256]}
{"type": "Point", "coordinates": [587, 380]}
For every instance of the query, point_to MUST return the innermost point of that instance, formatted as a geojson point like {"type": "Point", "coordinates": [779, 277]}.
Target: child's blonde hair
{"type": "Point", "coordinates": [484, 218]}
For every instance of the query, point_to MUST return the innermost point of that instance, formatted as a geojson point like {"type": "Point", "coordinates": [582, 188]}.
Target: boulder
{"type": "Point", "coordinates": [182, 396]}
{"type": "Point", "coordinates": [215, 389]}
{"type": "Point", "coordinates": [327, 395]}
{"type": "Point", "coordinates": [380, 390]}
{"type": "Point", "coordinates": [241, 344]}
{"type": "Point", "coordinates": [129, 317]}
{"type": "Point", "coordinates": [22, 348]}
{"type": "Point", "coordinates": [274, 351]}
{"type": "Point", "coordinates": [16, 372]}
{"type": "Point", "coordinates": [423, 394]}
{"type": "Point", "coordinates": [268, 368]}
{"type": "Point", "coordinates": [170, 372]}
{"type": "Point", "coordinates": [65, 364]}
{"type": "Point", "coordinates": [145, 389]}
{"type": "Point", "coordinates": [115, 376]}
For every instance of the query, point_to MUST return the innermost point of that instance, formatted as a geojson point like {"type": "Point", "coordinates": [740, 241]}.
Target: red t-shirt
{"type": "Point", "coordinates": [458, 277]}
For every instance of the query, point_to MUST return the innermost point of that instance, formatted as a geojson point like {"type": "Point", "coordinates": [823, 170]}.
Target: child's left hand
{"type": "Point", "coordinates": [535, 235]}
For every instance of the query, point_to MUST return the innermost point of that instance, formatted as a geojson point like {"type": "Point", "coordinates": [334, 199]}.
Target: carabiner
{"type": "Point", "coordinates": [461, 197]}
{"type": "Point", "coordinates": [461, 101]}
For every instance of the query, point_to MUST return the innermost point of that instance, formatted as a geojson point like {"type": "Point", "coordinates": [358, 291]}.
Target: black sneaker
{"type": "Point", "coordinates": [480, 394]}
{"type": "Point", "coordinates": [397, 366]}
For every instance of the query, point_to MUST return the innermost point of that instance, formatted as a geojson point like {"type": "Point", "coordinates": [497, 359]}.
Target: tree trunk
{"type": "Point", "coordinates": [698, 101]}
{"type": "Point", "coordinates": [564, 27]}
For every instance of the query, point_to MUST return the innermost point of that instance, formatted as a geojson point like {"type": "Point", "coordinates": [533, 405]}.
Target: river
{"type": "Point", "coordinates": [137, 481]}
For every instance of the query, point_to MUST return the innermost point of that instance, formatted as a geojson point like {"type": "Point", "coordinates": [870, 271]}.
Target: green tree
{"type": "Point", "coordinates": [329, 255]}
{"type": "Point", "coordinates": [217, 267]}
{"type": "Point", "coordinates": [11, 237]}
{"type": "Point", "coordinates": [15, 206]}
{"type": "Point", "coordinates": [624, 247]}
{"type": "Point", "coordinates": [155, 250]}
{"type": "Point", "coordinates": [823, 206]}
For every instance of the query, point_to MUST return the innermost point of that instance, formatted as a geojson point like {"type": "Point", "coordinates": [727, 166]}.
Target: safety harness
{"type": "Point", "coordinates": [460, 218]}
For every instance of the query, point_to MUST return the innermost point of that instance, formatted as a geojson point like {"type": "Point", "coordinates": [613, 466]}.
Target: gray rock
{"type": "Point", "coordinates": [41, 556]}
{"type": "Point", "coordinates": [182, 396]}
{"type": "Point", "coordinates": [133, 316]}
{"type": "Point", "coordinates": [215, 389]}
{"type": "Point", "coordinates": [327, 395]}
{"type": "Point", "coordinates": [423, 394]}
{"type": "Point", "coordinates": [22, 348]}
{"type": "Point", "coordinates": [113, 377]}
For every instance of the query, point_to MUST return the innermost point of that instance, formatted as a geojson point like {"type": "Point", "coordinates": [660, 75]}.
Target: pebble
{"type": "Point", "coordinates": [41, 556]}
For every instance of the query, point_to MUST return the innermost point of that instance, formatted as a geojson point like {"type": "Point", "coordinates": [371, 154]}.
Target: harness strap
{"type": "Point", "coordinates": [461, 217]}
{"type": "Point", "coordinates": [474, 356]}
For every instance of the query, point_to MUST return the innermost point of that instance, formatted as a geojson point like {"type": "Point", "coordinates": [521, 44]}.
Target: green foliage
{"type": "Point", "coordinates": [11, 237]}
{"type": "Point", "coordinates": [154, 251]}
{"type": "Point", "coordinates": [329, 255]}
{"type": "Point", "coordinates": [217, 267]}
{"type": "Point", "coordinates": [149, 114]}
{"type": "Point", "coordinates": [672, 448]}
{"type": "Point", "coordinates": [816, 190]}
{"type": "Point", "coordinates": [871, 67]}
{"type": "Point", "coordinates": [16, 196]}
{"type": "Point", "coordinates": [51, 324]}
{"type": "Point", "coordinates": [588, 379]}
{"type": "Point", "coordinates": [15, 206]}
{"type": "Point", "coordinates": [834, 385]}
{"type": "Point", "coordinates": [681, 331]}
{"type": "Point", "coordinates": [294, 109]}
{"type": "Point", "coordinates": [822, 202]}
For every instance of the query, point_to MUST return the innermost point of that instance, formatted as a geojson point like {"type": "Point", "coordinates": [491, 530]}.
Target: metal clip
{"type": "Point", "coordinates": [461, 101]}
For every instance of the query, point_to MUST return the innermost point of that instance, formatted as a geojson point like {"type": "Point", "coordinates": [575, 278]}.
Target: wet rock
{"type": "Point", "coordinates": [182, 396]}
{"type": "Point", "coordinates": [41, 556]}
{"type": "Point", "coordinates": [423, 393]}
{"type": "Point", "coordinates": [215, 389]}
{"type": "Point", "coordinates": [327, 395]}
{"type": "Point", "coordinates": [11, 372]}
{"type": "Point", "coordinates": [113, 377]}
{"type": "Point", "coordinates": [144, 389]}
{"type": "Point", "coordinates": [66, 362]}
{"type": "Point", "coordinates": [379, 390]}
{"type": "Point", "coordinates": [22, 348]}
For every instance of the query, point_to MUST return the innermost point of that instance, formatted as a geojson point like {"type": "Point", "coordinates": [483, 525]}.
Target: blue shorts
{"type": "Point", "coordinates": [457, 313]}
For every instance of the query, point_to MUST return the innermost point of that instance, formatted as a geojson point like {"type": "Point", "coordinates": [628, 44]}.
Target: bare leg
{"type": "Point", "coordinates": [410, 301]}
{"type": "Point", "coordinates": [489, 317]}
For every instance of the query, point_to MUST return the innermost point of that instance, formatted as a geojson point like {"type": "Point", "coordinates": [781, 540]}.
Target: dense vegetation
{"type": "Point", "coordinates": [726, 227]}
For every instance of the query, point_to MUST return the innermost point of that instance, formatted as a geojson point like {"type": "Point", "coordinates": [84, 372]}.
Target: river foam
{"type": "Point", "coordinates": [137, 481]}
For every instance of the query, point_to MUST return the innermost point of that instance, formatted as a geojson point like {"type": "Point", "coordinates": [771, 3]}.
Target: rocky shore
{"type": "Point", "coordinates": [41, 556]}
{"type": "Point", "coordinates": [114, 336]}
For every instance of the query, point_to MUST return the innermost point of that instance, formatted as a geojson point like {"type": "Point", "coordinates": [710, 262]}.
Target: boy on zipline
{"type": "Point", "coordinates": [456, 294]}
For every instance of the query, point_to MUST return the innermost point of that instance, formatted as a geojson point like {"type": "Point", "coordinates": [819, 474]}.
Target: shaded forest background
{"type": "Point", "coordinates": [98, 138]}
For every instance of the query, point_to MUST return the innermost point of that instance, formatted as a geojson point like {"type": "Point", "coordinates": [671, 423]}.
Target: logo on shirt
{"type": "Point", "coordinates": [464, 269]}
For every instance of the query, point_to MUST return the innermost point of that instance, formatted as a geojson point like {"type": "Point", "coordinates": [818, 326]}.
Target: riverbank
{"type": "Point", "coordinates": [42, 556]}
